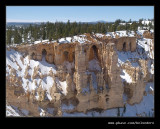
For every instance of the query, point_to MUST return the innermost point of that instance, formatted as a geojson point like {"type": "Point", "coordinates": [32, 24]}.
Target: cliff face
{"type": "Point", "coordinates": [85, 75]}
{"type": "Point", "coordinates": [148, 34]}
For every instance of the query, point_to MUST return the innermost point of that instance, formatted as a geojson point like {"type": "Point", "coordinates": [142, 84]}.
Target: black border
{"type": "Point", "coordinates": [82, 122]}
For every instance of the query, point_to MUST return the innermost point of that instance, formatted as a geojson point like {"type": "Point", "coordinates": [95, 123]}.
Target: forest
{"type": "Point", "coordinates": [54, 31]}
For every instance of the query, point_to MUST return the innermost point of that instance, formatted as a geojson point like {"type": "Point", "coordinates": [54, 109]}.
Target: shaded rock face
{"type": "Point", "coordinates": [126, 44]}
{"type": "Point", "coordinates": [148, 34]}
{"type": "Point", "coordinates": [91, 74]}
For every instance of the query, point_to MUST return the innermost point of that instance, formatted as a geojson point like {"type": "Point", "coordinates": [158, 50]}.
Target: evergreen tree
{"type": "Point", "coordinates": [17, 37]}
{"type": "Point", "coordinates": [50, 37]}
{"type": "Point", "coordinates": [59, 29]}
{"type": "Point", "coordinates": [103, 28]}
{"type": "Point", "coordinates": [8, 36]}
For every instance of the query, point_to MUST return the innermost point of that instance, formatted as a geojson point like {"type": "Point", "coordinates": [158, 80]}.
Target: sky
{"type": "Point", "coordinates": [77, 13]}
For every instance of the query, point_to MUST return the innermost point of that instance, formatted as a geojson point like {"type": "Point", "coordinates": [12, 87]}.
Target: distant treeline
{"type": "Point", "coordinates": [54, 31]}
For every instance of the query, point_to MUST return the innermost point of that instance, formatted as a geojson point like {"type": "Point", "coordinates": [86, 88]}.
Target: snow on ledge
{"type": "Point", "coordinates": [126, 76]}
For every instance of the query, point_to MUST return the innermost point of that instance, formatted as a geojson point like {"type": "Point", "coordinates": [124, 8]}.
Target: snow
{"type": "Point", "coordinates": [131, 34]}
{"type": "Point", "coordinates": [130, 56]}
{"type": "Point", "coordinates": [36, 96]}
{"type": "Point", "coordinates": [151, 88]}
{"type": "Point", "coordinates": [151, 66]}
{"type": "Point", "coordinates": [152, 31]}
{"type": "Point", "coordinates": [140, 32]}
{"type": "Point", "coordinates": [75, 114]}
{"type": "Point", "coordinates": [122, 23]}
{"type": "Point", "coordinates": [43, 41]}
{"type": "Point", "coordinates": [10, 111]}
{"type": "Point", "coordinates": [106, 113]}
{"type": "Point", "coordinates": [126, 76]}
{"type": "Point", "coordinates": [62, 40]}
{"type": "Point", "coordinates": [42, 112]}
{"type": "Point", "coordinates": [47, 83]}
{"type": "Point", "coordinates": [68, 39]}
{"type": "Point", "coordinates": [67, 107]}
{"type": "Point", "coordinates": [32, 86]}
{"type": "Point", "coordinates": [143, 51]}
{"type": "Point", "coordinates": [50, 110]}
{"type": "Point", "coordinates": [152, 69]}
{"type": "Point", "coordinates": [15, 111]}
{"type": "Point", "coordinates": [64, 86]}
{"type": "Point", "coordinates": [110, 34]}
{"type": "Point", "coordinates": [146, 44]}
{"type": "Point", "coordinates": [80, 38]}
{"type": "Point", "coordinates": [146, 22]}
{"type": "Point", "coordinates": [122, 33]}
{"type": "Point", "coordinates": [36, 42]}
{"type": "Point", "coordinates": [99, 35]}
{"type": "Point", "coordinates": [25, 112]}
{"type": "Point", "coordinates": [13, 58]}
{"type": "Point", "coordinates": [145, 106]}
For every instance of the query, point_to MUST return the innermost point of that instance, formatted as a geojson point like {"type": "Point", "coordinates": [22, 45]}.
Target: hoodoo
{"type": "Point", "coordinates": [87, 74]}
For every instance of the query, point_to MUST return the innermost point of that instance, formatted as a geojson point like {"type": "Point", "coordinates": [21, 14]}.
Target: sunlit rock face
{"type": "Point", "coordinates": [93, 72]}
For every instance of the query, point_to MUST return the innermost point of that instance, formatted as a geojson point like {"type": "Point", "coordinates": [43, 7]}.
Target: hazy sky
{"type": "Point", "coordinates": [77, 13]}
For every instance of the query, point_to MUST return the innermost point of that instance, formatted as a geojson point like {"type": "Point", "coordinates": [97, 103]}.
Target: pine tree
{"type": "Point", "coordinates": [8, 36]}
{"type": "Point", "coordinates": [50, 37]}
{"type": "Point", "coordinates": [103, 29]}
{"type": "Point", "coordinates": [17, 37]}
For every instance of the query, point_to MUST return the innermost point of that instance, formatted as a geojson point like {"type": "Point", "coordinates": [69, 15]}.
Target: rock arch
{"type": "Point", "coordinates": [95, 50]}
{"type": "Point", "coordinates": [93, 53]}
{"type": "Point", "coordinates": [124, 46]}
{"type": "Point", "coordinates": [33, 56]}
{"type": "Point", "coordinates": [66, 55]}
{"type": "Point", "coordinates": [44, 54]}
{"type": "Point", "coordinates": [130, 47]}
{"type": "Point", "coordinates": [73, 56]}
{"type": "Point", "coordinates": [94, 63]}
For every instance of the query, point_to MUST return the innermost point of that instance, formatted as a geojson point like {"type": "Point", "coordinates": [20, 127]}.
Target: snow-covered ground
{"type": "Point", "coordinates": [77, 38]}
{"type": "Point", "coordinates": [14, 111]}
{"type": "Point", "coordinates": [146, 44]}
{"type": "Point", "coordinates": [123, 33]}
{"type": "Point", "coordinates": [80, 39]}
{"type": "Point", "coordinates": [83, 38]}
{"type": "Point", "coordinates": [99, 35]}
{"type": "Point", "coordinates": [144, 109]}
{"type": "Point", "coordinates": [125, 76]}
{"type": "Point", "coordinates": [23, 66]}
{"type": "Point", "coordinates": [143, 51]}
{"type": "Point", "coordinates": [10, 111]}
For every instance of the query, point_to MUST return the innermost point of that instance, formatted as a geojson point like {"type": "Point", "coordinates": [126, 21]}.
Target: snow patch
{"type": "Point", "coordinates": [126, 76]}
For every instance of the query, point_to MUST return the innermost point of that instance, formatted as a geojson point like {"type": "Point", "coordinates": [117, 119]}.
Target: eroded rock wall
{"type": "Point", "coordinates": [90, 72]}
{"type": "Point", "coordinates": [126, 44]}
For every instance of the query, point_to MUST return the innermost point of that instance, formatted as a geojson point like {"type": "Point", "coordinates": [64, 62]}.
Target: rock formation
{"type": "Point", "coordinates": [88, 70]}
